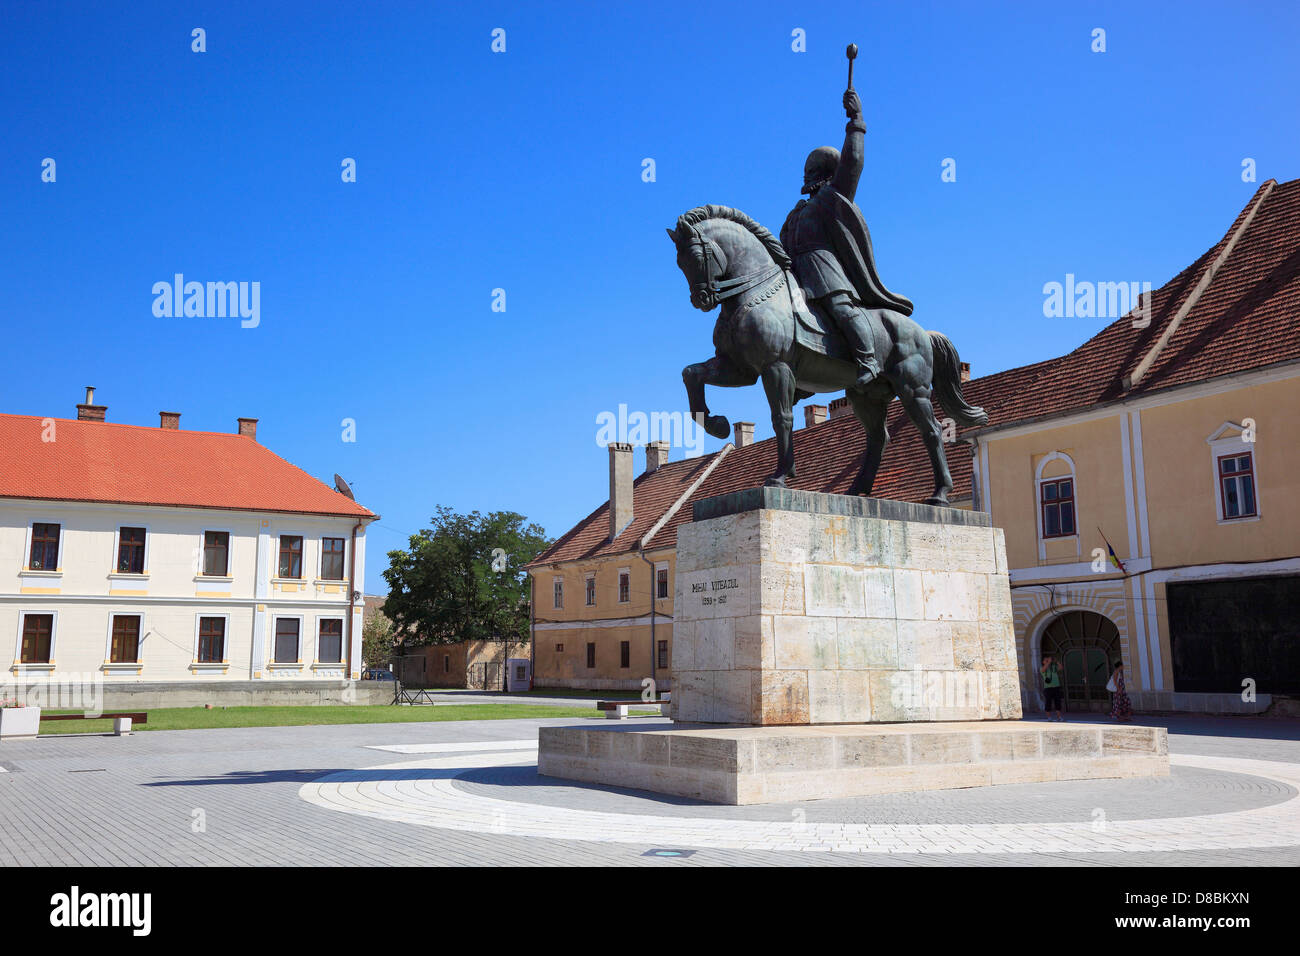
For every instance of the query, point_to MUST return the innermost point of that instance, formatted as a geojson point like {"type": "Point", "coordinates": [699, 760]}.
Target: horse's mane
{"type": "Point", "coordinates": [773, 245]}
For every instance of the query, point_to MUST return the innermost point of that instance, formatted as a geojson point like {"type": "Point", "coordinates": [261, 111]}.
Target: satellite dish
{"type": "Point", "coordinates": [343, 488]}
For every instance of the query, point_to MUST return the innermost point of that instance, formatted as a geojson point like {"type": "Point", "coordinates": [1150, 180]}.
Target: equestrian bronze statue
{"type": "Point", "coordinates": [809, 314]}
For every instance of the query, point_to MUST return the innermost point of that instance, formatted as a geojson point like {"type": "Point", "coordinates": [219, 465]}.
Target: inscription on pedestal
{"type": "Point", "coordinates": [720, 592]}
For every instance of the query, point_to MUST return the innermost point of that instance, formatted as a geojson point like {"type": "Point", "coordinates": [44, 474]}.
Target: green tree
{"type": "Point", "coordinates": [377, 639]}
{"type": "Point", "coordinates": [463, 578]}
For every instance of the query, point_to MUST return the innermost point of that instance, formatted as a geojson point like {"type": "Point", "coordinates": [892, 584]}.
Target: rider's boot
{"type": "Point", "coordinates": [863, 353]}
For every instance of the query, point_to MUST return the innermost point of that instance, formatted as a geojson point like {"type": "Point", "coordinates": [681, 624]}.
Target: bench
{"type": "Point", "coordinates": [122, 720]}
{"type": "Point", "coordinates": [618, 709]}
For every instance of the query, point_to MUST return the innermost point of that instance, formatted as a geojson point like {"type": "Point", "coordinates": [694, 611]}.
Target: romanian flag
{"type": "Point", "coordinates": [1114, 558]}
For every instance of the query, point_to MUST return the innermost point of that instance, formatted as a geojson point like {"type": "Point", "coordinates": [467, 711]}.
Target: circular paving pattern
{"type": "Point", "coordinates": [1194, 791]}
{"type": "Point", "coordinates": [1225, 803]}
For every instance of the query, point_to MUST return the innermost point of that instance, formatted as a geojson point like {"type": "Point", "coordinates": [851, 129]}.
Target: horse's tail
{"type": "Point", "coordinates": [947, 383]}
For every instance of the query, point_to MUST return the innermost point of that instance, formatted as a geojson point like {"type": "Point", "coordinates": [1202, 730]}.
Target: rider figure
{"type": "Point", "coordinates": [828, 241]}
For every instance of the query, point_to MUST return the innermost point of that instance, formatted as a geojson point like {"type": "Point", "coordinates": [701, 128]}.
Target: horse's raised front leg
{"type": "Point", "coordinates": [778, 382]}
{"type": "Point", "coordinates": [716, 371]}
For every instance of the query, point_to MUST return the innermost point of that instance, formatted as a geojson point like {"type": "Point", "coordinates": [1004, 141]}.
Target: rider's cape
{"type": "Point", "coordinates": [851, 239]}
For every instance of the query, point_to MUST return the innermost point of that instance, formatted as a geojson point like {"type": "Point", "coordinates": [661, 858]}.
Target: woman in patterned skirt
{"type": "Point", "coordinates": [1121, 708]}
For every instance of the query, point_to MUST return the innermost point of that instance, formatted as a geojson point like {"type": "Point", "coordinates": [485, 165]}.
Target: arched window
{"type": "Point", "coordinates": [1056, 487]}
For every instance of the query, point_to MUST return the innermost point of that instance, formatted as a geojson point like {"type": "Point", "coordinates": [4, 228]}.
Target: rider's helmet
{"type": "Point", "coordinates": [819, 167]}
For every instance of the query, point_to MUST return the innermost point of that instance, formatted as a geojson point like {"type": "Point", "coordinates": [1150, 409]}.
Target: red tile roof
{"type": "Point", "coordinates": [1247, 318]}
{"type": "Point", "coordinates": [652, 495]}
{"type": "Point", "coordinates": [132, 464]}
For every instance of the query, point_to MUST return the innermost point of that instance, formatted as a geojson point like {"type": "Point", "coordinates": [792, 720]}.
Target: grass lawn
{"type": "Point", "coordinates": [196, 718]}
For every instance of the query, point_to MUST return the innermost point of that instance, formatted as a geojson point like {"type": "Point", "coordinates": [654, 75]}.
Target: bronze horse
{"type": "Point", "coordinates": [766, 331]}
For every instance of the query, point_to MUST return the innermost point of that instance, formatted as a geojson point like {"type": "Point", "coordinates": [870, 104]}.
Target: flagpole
{"type": "Point", "coordinates": [1109, 547]}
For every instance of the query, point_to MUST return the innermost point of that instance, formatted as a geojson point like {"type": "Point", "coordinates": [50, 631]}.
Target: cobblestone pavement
{"type": "Point", "coordinates": [469, 794]}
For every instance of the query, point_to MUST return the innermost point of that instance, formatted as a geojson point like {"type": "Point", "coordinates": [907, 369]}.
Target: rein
{"type": "Point", "coordinates": [729, 288]}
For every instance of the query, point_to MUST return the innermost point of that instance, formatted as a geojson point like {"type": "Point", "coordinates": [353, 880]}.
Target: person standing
{"type": "Point", "coordinates": [1053, 691]}
{"type": "Point", "coordinates": [1121, 708]}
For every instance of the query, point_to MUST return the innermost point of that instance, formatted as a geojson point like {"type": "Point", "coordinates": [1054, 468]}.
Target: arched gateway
{"type": "Point", "coordinates": [1088, 645]}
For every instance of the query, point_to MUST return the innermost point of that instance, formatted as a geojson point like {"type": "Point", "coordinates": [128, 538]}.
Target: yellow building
{"type": "Point", "coordinates": [1168, 436]}
{"type": "Point", "coordinates": [603, 594]}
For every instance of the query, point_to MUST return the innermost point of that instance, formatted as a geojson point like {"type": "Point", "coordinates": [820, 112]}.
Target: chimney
{"type": "Point", "coordinates": [656, 456]}
{"type": "Point", "coordinates": [814, 415]}
{"type": "Point", "coordinates": [620, 487]}
{"type": "Point", "coordinates": [965, 371]}
{"type": "Point", "coordinates": [170, 421]}
{"type": "Point", "coordinates": [90, 412]}
{"type": "Point", "coordinates": [840, 407]}
{"type": "Point", "coordinates": [248, 428]}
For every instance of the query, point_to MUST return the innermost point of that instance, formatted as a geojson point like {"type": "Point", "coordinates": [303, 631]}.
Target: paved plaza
{"type": "Point", "coordinates": [468, 793]}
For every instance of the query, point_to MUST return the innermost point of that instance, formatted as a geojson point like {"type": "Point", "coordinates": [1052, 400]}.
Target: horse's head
{"type": "Point", "coordinates": [701, 261]}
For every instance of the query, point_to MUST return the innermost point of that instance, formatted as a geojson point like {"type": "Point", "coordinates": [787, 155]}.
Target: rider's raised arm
{"type": "Point", "coordinates": [853, 156]}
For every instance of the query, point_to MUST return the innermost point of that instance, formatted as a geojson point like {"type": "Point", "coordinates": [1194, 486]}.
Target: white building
{"type": "Point", "coordinates": [154, 555]}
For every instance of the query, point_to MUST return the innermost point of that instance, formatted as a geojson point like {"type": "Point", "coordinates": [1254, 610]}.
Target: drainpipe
{"type": "Point", "coordinates": [253, 661]}
{"type": "Point", "coordinates": [654, 647]}
{"type": "Point", "coordinates": [352, 599]}
{"type": "Point", "coordinates": [532, 630]}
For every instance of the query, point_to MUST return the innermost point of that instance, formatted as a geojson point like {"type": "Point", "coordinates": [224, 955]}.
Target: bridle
{"type": "Point", "coordinates": [701, 249]}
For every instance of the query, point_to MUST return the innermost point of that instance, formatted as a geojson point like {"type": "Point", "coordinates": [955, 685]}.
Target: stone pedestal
{"type": "Point", "coordinates": [800, 608]}
{"type": "Point", "coordinates": [827, 646]}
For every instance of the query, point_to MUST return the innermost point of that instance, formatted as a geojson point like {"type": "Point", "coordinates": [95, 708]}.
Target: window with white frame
{"type": "Point", "coordinates": [1235, 459]}
{"type": "Point", "coordinates": [1237, 486]}
{"type": "Point", "coordinates": [557, 586]}
{"type": "Point", "coordinates": [1056, 493]}
{"type": "Point", "coordinates": [331, 558]}
{"type": "Point", "coordinates": [624, 585]}
{"type": "Point", "coordinates": [130, 550]}
{"type": "Point", "coordinates": [44, 553]}
{"type": "Point", "coordinates": [591, 590]}
{"type": "Point", "coordinates": [290, 565]}
{"type": "Point", "coordinates": [211, 647]}
{"type": "Point", "coordinates": [37, 639]}
{"type": "Point", "coordinates": [216, 554]}
{"type": "Point", "coordinates": [1057, 501]}
{"type": "Point", "coordinates": [124, 646]}
{"type": "Point", "coordinates": [661, 580]}
{"type": "Point", "coordinates": [329, 640]}
{"type": "Point", "coordinates": [285, 647]}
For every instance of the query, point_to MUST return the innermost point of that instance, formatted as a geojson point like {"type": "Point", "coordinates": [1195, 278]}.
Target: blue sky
{"type": "Point", "coordinates": [523, 171]}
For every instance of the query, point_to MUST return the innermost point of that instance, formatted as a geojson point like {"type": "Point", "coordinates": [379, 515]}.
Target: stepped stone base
{"type": "Point", "coordinates": [746, 765]}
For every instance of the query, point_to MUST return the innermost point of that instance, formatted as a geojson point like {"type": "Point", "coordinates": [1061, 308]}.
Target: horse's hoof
{"type": "Point", "coordinates": [717, 426]}
{"type": "Point", "coordinates": [776, 481]}
{"type": "Point", "coordinates": [939, 501]}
